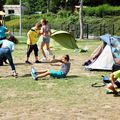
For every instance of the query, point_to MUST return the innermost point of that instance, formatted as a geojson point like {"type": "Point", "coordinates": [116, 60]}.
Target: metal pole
{"type": "Point", "coordinates": [81, 19]}
{"type": "Point", "coordinates": [113, 29]}
{"type": "Point", "coordinates": [20, 19]}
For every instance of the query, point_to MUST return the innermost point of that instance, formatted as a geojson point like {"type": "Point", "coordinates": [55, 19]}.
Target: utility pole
{"type": "Point", "coordinates": [48, 6]}
{"type": "Point", "coordinates": [81, 19]}
{"type": "Point", "coordinates": [20, 32]}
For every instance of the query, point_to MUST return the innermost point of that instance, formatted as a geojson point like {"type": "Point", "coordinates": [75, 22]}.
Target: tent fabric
{"type": "Point", "coordinates": [104, 62]}
{"type": "Point", "coordinates": [108, 56]}
{"type": "Point", "coordinates": [2, 13]}
{"type": "Point", "coordinates": [65, 39]}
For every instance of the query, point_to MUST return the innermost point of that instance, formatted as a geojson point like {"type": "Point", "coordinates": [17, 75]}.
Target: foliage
{"type": "Point", "coordinates": [63, 13]}
{"type": "Point", "coordinates": [101, 2]}
{"type": "Point", "coordinates": [55, 5]}
{"type": "Point", "coordinates": [2, 2]}
{"type": "Point", "coordinates": [10, 2]}
{"type": "Point", "coordinates": [101, 11]}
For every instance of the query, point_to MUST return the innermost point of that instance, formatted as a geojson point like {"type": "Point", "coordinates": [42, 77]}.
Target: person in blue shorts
{"type": "Point", "coordinates": [64, 62]}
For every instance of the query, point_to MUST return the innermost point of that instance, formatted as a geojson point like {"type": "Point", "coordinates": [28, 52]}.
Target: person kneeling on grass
{"type": "Point", "coordinates": [115, 82]}
{"type": "Point", "coordinates": [65, 67]}
{"type": "Point", "coordinates": [6, 51]}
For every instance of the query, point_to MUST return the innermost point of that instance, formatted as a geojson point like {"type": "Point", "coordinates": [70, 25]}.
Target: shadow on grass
{"type": "Point", "coordinates": [20, 63]}
{"type": "Point", "coordinates": [15, 64]}
{"type": "Point", "coordinates": [26, 75]}
{"type": "Point", "coordinates": [71, 76]}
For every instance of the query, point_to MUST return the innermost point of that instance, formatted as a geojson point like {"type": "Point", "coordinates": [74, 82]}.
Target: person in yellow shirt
{"type": "Point", "coordinates": [32, 38]}
{"type": "Point", "coordinates": [115, 81]}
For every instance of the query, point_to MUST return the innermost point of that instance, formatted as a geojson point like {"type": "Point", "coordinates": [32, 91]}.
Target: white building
{"type": "Point", "coordinates": [13, 9]}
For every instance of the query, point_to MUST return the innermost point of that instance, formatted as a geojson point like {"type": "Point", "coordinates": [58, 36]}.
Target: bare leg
{"type": "Point", "coordinates": [42, 50]}
{"type": "Point", "coordinates": [36, 58]}
{"type": "Point", "coordinates": [43, 75]}
{"type": "Point", "coordinates": [48, 48]}
{"type": "Point", "coordinates": [111, 87]}
{"type": "Point", "coordinates": [42, 71]}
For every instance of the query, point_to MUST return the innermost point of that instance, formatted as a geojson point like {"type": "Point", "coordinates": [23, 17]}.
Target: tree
{"type": "Point", "coordinates": [12, 2]}
{"type": "Point", "coordinates": [2, 2]}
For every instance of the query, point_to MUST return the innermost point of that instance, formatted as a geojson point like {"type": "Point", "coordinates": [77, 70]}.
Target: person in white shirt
{"type": "Point", "coordinates": [6, 50]}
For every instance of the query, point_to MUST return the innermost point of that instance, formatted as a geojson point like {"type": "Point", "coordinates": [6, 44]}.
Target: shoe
{"type": "Point", "coordinates": [34, 76]}
{"type": "Point", "coordinates": [27, 62]}
{"type": "Point", "coordinates": [37, 61]}
{"type": "Point", "coordinates": [33, 70]}
{"type": "Point", "coordinates": [109, 92]}
{"type": "Point", "coordinates": [5, 62]}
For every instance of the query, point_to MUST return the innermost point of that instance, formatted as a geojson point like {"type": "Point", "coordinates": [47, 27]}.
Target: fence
{"type": "Point", "coordinates": [88, 30]}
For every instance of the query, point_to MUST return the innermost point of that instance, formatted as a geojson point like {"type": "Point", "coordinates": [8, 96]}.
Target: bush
{"type": "Point", "coordinates": [63, 13]}
{"type": "Point", "coordinates": [101, 11]}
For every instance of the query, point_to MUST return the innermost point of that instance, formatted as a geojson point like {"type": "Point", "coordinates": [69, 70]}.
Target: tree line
{"type": "Point", "coordinates": [55, 5]}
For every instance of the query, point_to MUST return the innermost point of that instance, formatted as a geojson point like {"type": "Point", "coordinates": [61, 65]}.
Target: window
{"type": "Point", "coordinates": [11, 11]}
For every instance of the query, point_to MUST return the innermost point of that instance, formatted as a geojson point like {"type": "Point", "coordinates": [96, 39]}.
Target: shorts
{"type": "Point", "coordinates": [45, 39]}
{"type": "Point", "coordinates": [56, 74]}
{"type": "Point", "coordinates": [117, 83]}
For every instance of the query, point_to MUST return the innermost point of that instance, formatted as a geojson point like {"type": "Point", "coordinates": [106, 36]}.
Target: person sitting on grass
{"type": "Point", "coordinates": [115, 82]}
{"type": "Point", "coordinates": [6, 51]}
{"type": "Point", "coordinates": [64, 62]}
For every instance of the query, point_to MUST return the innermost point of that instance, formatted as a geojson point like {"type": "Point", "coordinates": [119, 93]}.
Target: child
{"type": "Point", "coordinates": [115, 81]}
{"type": "Point", "coordinates": [65, 67]}
{"type": "Point", "coordinates": [46, 32]}
{"type": "Point", "coordinates": [8, 42]}
{"type": "Point", "coordinates": [5, 51]}
{"type": "Point", "coordinates": [33, 35]}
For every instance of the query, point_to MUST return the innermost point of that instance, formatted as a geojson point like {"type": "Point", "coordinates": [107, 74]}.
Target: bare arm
{"type": "Point", "coordinates": [56, 64]}
{"type": "Point", "coordinates": [113, 79]}
{"type": "Point", "coordinates": [29, 36]}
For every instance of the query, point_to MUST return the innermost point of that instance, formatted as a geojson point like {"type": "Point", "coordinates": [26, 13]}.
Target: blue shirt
{"type": "Point", "coordinates": [3, 30]}
{"type": "Point", "coordinates": [7, 44]}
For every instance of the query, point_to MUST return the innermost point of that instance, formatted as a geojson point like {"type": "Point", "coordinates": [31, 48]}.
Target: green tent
{"type": "Point", "coordinates": [64, 38]}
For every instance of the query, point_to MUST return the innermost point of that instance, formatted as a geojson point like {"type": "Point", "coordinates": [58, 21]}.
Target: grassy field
{"type": "Point", "coordinates": [71, 98]}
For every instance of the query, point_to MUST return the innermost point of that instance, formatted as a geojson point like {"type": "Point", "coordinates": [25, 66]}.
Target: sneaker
{"type": "Point", "coordinates": [37, 61]}
{"type": "Point", "coordinates": [27, 62]}
{"type": "Point", "coordinates": [109, 92]}
{"type": "Point", "coordinates": [34, 76]}
{"type": "Point", "coordinates": [34, 71]}
{"type": "Point", "coordinates": [5, 62]}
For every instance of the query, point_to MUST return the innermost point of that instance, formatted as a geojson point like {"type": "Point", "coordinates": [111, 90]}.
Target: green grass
{"type": "Point", "coordinates": [70, 98]}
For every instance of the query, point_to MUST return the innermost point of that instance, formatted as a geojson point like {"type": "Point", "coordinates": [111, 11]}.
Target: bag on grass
{"type": "Point", "coordinates": [106, 79]}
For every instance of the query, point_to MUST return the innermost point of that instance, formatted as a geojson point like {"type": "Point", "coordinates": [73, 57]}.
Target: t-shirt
{"type": "Point", "coordinates": [7, 44]}
{"type": "Point", "coordinates": [45, 30]}
{"type": "Point", "coordinates": [3, 30]}
{"type": "Point", "coordinates": [33, 36]}
{"type": "Point", "coordinates": [65, 67]}
{"type": "Point", "coordinates": [117, 75]}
